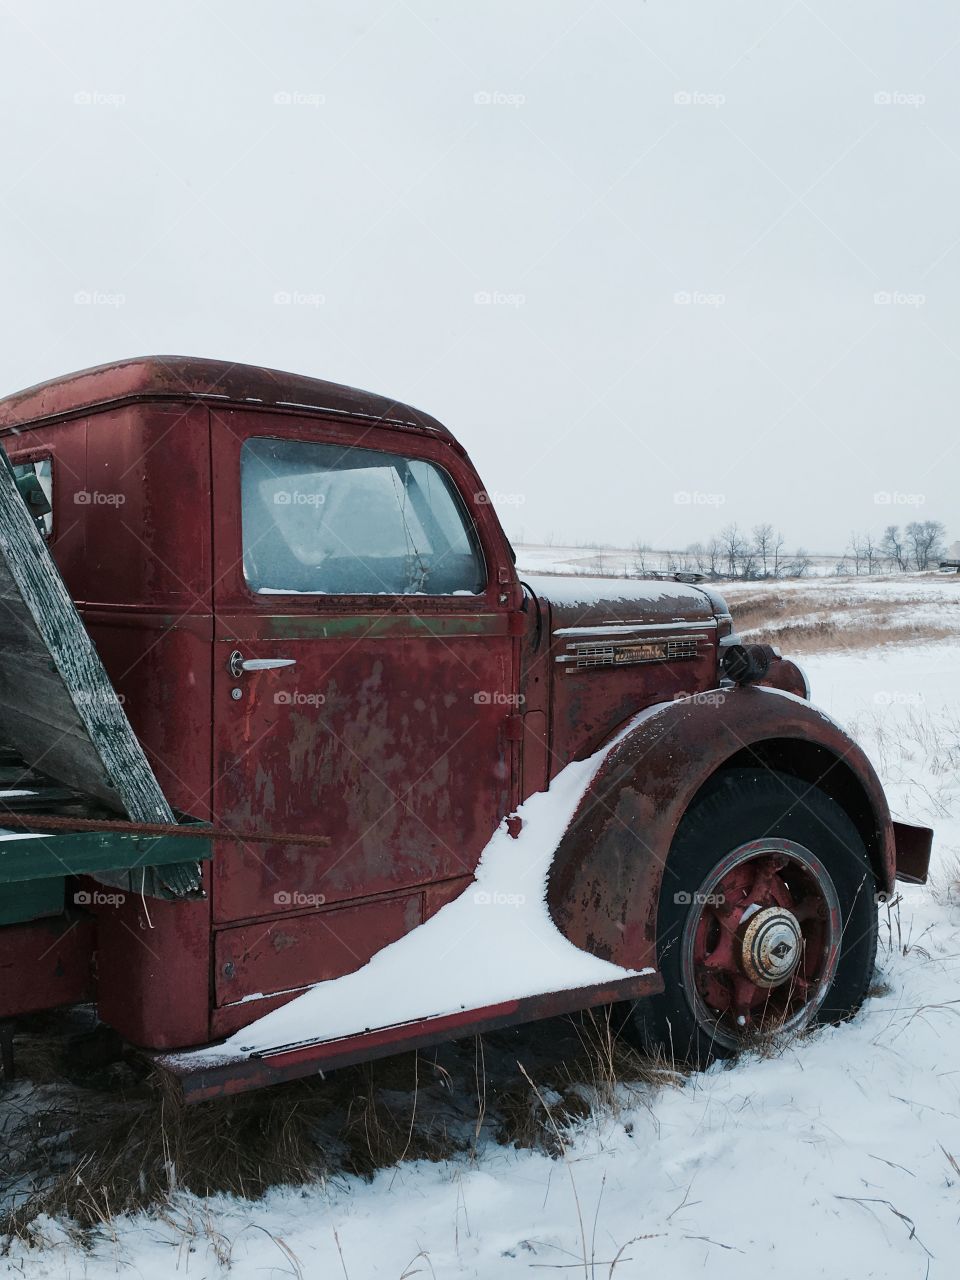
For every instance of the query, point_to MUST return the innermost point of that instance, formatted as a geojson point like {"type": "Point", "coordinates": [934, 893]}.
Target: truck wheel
{"type": "Point", "coordinates": [767, 920]}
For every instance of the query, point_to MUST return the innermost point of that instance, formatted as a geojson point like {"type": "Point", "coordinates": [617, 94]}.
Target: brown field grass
{"type": "Point", "coordinates": [801, 622]}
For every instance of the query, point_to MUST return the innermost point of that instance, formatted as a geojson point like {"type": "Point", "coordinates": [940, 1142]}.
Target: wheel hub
{"type": "Point", "coordinates": [771, 945]}
{"type": "Point", "coordinates": [761, 941]}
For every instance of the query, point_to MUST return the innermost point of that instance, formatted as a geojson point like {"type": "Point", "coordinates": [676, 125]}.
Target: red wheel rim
{"type": "Point", "coordinates": [761, 942]}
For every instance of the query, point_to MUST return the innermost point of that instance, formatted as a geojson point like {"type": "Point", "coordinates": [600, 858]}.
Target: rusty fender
{"type": "Point", "coordinates": [605, 880]}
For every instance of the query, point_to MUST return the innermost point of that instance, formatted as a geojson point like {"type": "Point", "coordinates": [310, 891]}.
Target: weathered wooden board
{"type": "Point", "coordinates": [57, 706]}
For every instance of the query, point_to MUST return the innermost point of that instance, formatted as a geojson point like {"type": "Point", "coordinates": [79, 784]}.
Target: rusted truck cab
{"type": "Point", "coordinates": [313, 617]}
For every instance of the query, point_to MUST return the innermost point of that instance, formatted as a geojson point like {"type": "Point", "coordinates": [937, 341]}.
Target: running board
{"type": "Point", "coordinates": [201, 1077]}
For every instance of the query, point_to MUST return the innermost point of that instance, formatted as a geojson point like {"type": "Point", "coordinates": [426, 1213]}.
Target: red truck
{"type": "Point", "coordinates": [311, 618]}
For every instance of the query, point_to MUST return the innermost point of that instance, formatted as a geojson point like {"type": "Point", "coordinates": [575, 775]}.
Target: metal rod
{"type": "Point", "coordinates": [39, 822]}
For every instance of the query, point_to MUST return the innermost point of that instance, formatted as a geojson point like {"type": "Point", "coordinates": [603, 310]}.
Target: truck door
{"type": "Point", "coordinates": [364, 678]}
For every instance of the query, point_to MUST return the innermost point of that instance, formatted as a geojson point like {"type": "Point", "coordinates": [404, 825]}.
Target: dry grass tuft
{"type": "Point", "coordinates": [122, 1142]}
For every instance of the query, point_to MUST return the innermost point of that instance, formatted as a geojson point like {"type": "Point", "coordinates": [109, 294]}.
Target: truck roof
{"type": "Point", "coordinates": [190, 378]}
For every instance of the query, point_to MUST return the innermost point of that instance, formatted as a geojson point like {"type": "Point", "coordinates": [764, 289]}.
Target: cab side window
{"type": "Point", "coordinates": [321, 519]}
{"type": "Point", "coordinates": [35, 482]}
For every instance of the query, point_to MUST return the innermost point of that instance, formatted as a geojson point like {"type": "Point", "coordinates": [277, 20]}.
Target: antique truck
{"type": "Point", "coordinates": [284, 731]}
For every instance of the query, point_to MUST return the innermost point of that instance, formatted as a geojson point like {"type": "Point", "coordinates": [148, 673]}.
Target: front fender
{"type": "Point", "coordinates": [606, 875]}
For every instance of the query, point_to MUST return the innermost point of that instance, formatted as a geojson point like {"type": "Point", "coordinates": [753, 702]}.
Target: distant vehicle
{"type": "Point", "coordinates": [951, 560]}
{"type": "Point", "coordinates": [312, 628]}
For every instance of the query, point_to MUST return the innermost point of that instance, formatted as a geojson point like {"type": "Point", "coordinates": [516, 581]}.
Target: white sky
{"type": "Point", "coordinates": [146, 162]}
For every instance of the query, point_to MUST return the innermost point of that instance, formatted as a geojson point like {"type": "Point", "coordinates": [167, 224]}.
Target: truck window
{"type": "Point", "coordinates": [42, 469]}
{"type": "Point", "coordinates": [321, 519]}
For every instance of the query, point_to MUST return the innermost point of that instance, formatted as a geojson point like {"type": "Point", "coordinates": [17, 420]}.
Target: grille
{"type": "Point", "coordinates": [630, 652]}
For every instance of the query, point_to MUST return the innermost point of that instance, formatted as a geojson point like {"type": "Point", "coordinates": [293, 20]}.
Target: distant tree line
{"type": "Point", "coordinates": [920, 546]}
{"type": "Point", "coordinates": [760, 553]}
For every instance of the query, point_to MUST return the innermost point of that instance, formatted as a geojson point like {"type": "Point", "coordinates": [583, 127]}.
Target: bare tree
{"type": "Point", "coordinates": [763, 536]}
{"type": "Point", "coordinates": [856, 552]}
{"type": "Point", "coordinates": [925, 542]}
{"type": "Point", "coordinates": [893, 547]}
{"type": "Point", "coordinates": [871, 552]}
{"type": "Point", "coordinates": [641, 550]}
{"type": "Point", "coordinates": [733, 546]}
{"type": "Point", "coordinates": [799, 567]}
{"type": "Point", "coordinates": [748, 564]}
{"type": "Point", "coordinates": [776, 550]}
{"type": "Point", "coordinates": [714, 557]}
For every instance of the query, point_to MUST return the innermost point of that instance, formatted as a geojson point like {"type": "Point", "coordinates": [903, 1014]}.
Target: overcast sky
{"type": "Point", "coordinates": [659, 265]}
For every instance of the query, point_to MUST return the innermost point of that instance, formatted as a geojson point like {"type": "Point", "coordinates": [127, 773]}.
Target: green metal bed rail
{"type": "Point", "coordinates": [35, 865]}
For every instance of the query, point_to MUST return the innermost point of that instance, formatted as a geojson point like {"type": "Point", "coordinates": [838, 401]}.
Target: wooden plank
{"type": "Point", "coordinates": [57, 706]}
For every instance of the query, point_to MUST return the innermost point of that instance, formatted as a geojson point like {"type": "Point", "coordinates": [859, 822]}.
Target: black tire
{"type": "Point", "coordinates": [740, 807]}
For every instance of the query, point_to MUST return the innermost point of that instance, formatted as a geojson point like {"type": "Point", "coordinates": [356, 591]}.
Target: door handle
{"type": "Point", "coordinates": [238, 664]}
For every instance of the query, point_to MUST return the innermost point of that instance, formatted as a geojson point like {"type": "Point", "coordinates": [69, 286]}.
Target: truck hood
{"type": "Point", "coordinates": [606, 602]}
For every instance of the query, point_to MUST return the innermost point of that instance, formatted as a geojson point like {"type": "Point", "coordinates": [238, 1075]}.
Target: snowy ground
{"type": "Point", "coordinates": [839, 1158]}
